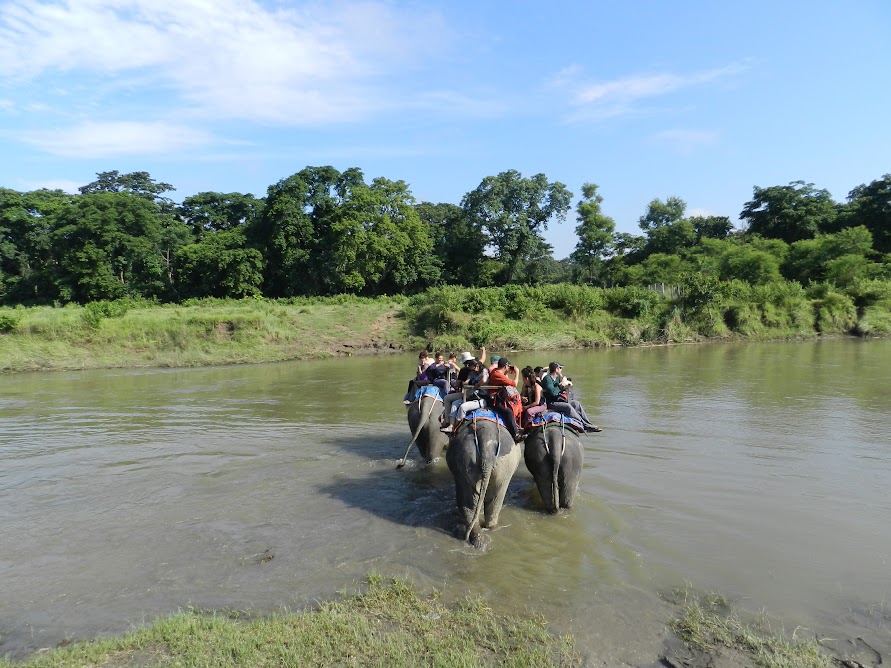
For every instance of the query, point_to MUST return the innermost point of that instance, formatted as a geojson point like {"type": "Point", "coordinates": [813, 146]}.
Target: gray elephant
{"type": "Point", "coordinates": [482, 457]}
{"type": "Point", "coordinates": [554, 456]}
{"type": "Point", "coordinates": [423, 420]}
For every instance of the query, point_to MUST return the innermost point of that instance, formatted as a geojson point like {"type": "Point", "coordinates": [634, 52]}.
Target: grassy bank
{"type": "Point", "coordinates": [211, 332]}
{"type": "Point", "coordinates": [385, 625]}
{"type": "Point", "coordinates": [708, 625]}
{"type": "Point", "coordinates": [204, 332]}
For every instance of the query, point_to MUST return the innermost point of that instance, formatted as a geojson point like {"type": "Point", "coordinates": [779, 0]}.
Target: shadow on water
{"type": "Point", "coordinates": [418, 495]}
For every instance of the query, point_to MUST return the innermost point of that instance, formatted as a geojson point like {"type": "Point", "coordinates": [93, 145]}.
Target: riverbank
{"type": "Point", "coordinates": [209, 332]}
{"type": "Point", "coordinates": [390, 623]}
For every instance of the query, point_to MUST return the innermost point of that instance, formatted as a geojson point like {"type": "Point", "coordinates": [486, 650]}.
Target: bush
{"type": "Point", "coordinates": [8, 323]}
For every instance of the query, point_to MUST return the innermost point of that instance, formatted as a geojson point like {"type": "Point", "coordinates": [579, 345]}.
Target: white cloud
{"type": "Point", "coordinates": [100, 140]}
{"type": "Point", "coordinates": [606, 99]}
{"type": "Point", "coordinates": [226, 58]}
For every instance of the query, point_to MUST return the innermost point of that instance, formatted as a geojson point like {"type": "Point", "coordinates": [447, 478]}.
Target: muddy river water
{"type": "Point", "coordinates": [762, 471]}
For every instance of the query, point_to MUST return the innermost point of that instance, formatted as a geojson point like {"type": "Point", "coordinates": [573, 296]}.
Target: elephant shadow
{"type": "Point", "coordinates": [417, 495]}
{"type": "Point", "coordinates": [423, 498]}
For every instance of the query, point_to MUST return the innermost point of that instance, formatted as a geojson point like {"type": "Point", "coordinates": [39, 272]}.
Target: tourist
{"type": "Point", "coordinates": [506, 401]}
{"type": "Point", "coordinates": [557, 395]}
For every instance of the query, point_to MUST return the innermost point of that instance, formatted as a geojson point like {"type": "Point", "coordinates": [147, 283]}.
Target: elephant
{"type": "Point", "coordinates": [554, 456]}
{"type": "Point", "coordinates": [423, 420]}
{"type": "Point", "coordinates": [482, 457]}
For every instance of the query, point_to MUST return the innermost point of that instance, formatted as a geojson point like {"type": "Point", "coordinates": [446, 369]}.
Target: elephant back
{"type": "Point", "coordinates": [542, 420]}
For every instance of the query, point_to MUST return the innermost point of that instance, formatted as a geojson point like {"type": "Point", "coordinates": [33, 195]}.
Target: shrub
{"type": "Point", "coordinates": [8, 322]}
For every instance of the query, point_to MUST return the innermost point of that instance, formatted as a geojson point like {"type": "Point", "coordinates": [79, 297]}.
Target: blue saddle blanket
{"type": "Point", "coordinates": [428, 391]}
{"type": "Point", "coordinates": [484, 414]}
{"type": "Point", "coordinates": [553, 417]}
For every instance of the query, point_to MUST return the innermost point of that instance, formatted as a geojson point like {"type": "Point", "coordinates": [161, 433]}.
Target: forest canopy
{"type": "Point", "coordinates": [323, 232]}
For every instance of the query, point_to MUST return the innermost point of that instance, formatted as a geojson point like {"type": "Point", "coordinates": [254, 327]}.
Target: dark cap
{"type": "Point", "coordinates": [502, 362]}
{"type": "Point", "coordinates": [553, 366]}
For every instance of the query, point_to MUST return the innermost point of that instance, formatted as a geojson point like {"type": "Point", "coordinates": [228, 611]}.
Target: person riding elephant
{"type": "Point", "coordinates": [554, 456]}
{"type": "Point", "coordinates": [423, 419]}
{"type": "Point", "coordinates": [482, 457]}
{"type": "Point", "coordinates": [557, 393]}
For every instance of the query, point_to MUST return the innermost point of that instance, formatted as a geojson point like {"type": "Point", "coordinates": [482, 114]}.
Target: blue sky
{"type": "Point", "coordinates": [702, 100]}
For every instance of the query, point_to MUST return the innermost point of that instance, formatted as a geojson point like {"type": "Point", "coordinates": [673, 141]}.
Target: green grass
{"type": "Point", "coordinates": [707, 622]}
{"type": "Point", "coordinates": [387, 624]}
{"type": "Point", "coordinates": [206, 332]}
{"type": "Point", "coordinates": [135, 333]}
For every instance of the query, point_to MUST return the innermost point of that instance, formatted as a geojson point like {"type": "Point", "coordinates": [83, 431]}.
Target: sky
{"type": "Point", "coordinates": [648, 99]}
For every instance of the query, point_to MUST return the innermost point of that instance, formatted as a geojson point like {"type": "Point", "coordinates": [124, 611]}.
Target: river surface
{"type": "Point", "coordinates": [762, 471]}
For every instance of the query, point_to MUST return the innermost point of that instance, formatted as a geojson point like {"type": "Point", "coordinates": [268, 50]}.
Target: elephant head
{"type": "Point", "coordinates": [554, 456]}
{"type": "Point", "coordinates": [482, 457]}
{"type": "Point", "coordinates": [423, 420]}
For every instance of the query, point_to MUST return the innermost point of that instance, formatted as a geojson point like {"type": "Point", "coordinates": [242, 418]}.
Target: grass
{"type": "Point", "coordinates": [128, 333]}
{"type": "Point", "coordinates": [209, 332]}
{"type": "Point", "coordinates": [386, 624]}
{"type": "Point", "coordinates": [707, 622]}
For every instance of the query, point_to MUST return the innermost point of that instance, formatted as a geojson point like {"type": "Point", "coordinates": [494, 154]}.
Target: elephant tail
{"type": "Point", "coordinates": [556, 452]}
{"type": "Point", "coordinates": [487, 465]}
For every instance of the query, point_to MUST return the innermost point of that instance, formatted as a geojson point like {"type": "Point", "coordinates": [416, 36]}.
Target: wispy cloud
{"type": "Point", "coordinates": [225, 59]}
{"type": "Point", "coordinates": [598, 100]}
{"type": "Point", "coordinates": [100, 140]}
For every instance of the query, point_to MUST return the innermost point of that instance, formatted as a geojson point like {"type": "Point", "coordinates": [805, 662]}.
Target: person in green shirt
{"type": "Point", "coordinates": [557, 393]}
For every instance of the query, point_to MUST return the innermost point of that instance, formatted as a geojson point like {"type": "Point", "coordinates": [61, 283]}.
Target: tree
{"type": "Point", "coordinates": [27, 262]}
{"type": "Point", "coordinates": [512, 211]}
{"type": "Point", "coordinates": [659, 213]}
{"type": "Point", "coordinates": [380, 245]}
{"type": "Point", "coordinates": [284, 235]}
{"type": "Point", "coordinates": [220, 265]}
{"type": "Point", "coordinates": [791, 213]}
{"type": "Point", "coordinates": [745, 263]}
{"type": "Point", "coordinates": [108, 245]}
{"type": "Point", "coordinates": [596, 235]}
{"type": "Point", "coordinates": [459, 245]}
{"type": "Point", "coordinates": [212, 211]}
{"type": "Point", "coordinates": [711, 227]}
{"type": "Point", "coordinates": [870, 206]}
{"type": "Point", "coordinates": [140, 184]}
{"type": "Point", "coordinates": [808, 259]}
{"type": "Point", "coordinates": [666, 229]}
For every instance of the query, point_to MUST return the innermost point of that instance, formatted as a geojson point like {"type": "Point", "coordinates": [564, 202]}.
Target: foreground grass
{"type": "Point", "coordinates": [388, 624]}
{"type": "Point", "coordinates": [707, 622]}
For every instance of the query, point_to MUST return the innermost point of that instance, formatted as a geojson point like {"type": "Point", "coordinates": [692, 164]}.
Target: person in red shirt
{"type": "Point", "coordinates": [506, 401]}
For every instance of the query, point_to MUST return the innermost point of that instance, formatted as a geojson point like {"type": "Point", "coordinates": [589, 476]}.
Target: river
{"type": "Point", "coordinates": [757, 470]}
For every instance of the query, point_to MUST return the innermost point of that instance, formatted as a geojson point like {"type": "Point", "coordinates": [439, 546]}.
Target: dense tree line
{"type": "Point", "coordinates": [322, 232]}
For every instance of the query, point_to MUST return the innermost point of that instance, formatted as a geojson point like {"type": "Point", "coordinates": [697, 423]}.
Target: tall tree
{"type": "Point", "coordinates": [791, 213]}
{"type": "Point", "coordinates": [140, 184]}
{"type": "Point", "coordinates": [27, 262]}
{"type": "Point", "coordinates": [459, 245]}
{"type": "Point", "coordinates": [513, 211]}
{"type": "Point", "coordinates": [711, 227]}
{"type": "Point", "coordinates": [380, 244]}
{"type": "Point", "coordinates": [219, 265]}
{"type": "Point", "coordinates": [109, 245]}
{"type": "Point", "coordinates": [596, 235]}
{"type": "Point", "coordinates": [870, 206]}
{"type": "Point", "coordinates": [284, 235]}
{"type": "Point", "coordinates": [213, 212]}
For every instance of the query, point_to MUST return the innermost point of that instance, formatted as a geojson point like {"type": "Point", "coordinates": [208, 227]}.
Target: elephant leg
{"type": "Point", "coordinates": [501, 477]}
